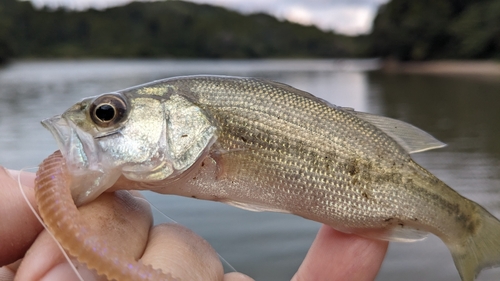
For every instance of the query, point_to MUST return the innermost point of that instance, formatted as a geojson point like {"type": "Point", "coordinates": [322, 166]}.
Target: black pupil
{"type": "Point", "coordinates": [105, 112]}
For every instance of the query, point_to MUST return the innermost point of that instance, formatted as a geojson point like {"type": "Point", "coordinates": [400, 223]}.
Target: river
{"type": "Point", "coordinates": [460, 111]}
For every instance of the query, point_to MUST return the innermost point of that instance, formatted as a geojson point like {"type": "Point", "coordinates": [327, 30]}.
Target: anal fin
{"type": "Point", "coordinates": [253, 207]}
{"type": "Point", "coordinates": [397, 233]}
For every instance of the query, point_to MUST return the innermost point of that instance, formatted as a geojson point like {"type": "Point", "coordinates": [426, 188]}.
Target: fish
{"type": "Point", "coordinates": [262, 145]}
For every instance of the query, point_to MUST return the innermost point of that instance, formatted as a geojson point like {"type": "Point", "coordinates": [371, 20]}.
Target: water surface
{"type": "Point", "coordinates": [460, 111]}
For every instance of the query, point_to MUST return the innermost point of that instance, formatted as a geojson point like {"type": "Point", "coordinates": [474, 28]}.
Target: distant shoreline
{"type": "Point", "coordinates": [450, 67]}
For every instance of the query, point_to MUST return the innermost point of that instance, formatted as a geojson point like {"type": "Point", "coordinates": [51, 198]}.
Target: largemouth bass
{"type": "Point", "coordinates": [265, 146]}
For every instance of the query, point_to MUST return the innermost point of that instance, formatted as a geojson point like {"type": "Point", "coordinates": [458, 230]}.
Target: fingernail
{"type": "Point", "coordinates": [64, 271]}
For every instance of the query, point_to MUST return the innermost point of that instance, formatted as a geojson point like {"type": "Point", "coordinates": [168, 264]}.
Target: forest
{"type": "Point", "coordinates": [403, 30]}
{"type": "Point", "coordinates": [159, 29]}
{"type": "Point", "coordinates": [431, 30]}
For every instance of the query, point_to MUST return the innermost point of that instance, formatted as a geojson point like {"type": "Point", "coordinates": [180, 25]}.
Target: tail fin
{"type": "Point", "coordinates": [480, 250]}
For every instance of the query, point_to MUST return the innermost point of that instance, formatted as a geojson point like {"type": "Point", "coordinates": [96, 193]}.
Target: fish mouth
{"type": "Point", "coordinates": [75, 150]}
{"type": "Point", "coordinates": [82, 160]}
{"type": "Point", "coordinates": [59, 129]}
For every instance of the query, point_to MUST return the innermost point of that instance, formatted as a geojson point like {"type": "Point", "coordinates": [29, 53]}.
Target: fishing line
{"type": "Point", "coordinates": [73, 267]}
{"type": "Point", "coordinates": [224, 261]}
{"type": "Point", "coordinates": [43, 224]}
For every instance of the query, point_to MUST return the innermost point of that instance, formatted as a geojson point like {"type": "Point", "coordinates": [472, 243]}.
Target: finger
{"type": "Point", "coordinates": [179, 251]}
{"type": "Point", "coordinates": [45, 261]}
{"type": "Point", "coordinates": [8, 272]}
{"type": "Point", "coordinates": [27, 178]}
{"type": "Point", "coordinates": [19, 226]}
{"type": "Point", "coordinates": [117, 218]}
{"type": "Point", "coordinates": [338, 256]}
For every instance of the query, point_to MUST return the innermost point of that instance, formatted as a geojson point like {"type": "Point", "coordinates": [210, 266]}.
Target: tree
{"type": "Point", "coordinates": [165, 29]}
{"type": "Point", "coordinates": [428, 29]}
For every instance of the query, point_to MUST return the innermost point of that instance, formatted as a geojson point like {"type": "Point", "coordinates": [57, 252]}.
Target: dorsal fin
{"type": "Point", "coordinates": [411, 138]}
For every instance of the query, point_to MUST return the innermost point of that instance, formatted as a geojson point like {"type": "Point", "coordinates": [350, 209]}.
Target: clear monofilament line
{"type": "Point", "coordinates": [174, 221]}
{"type": "Point", "coordinates": [57, 208]}
{"type": "Point", "coordinates": [19, 184]}
{"type": "Point", "coordinates": [80, 278]}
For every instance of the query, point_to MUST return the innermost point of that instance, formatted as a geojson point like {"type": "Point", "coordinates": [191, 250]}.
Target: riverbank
{"type": "Point", "coordinates": [465, 68]}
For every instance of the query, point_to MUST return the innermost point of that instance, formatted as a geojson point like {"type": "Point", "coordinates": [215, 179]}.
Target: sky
{"type": "Point", "coordinates": [351, 17]}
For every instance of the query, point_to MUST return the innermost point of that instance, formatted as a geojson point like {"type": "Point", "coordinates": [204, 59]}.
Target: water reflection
{"type": "Point", "coordinates": [348, 89]}
{"type": "Point", "coordinates": [461, 112]}
{"type": "Point", "coordinates": [32, 91]}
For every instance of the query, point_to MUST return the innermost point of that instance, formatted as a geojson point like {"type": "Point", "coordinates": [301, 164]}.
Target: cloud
{"type": "Point", "coordinates": [79, 4]}
{"type": "Point", "coordinates": [346, 19]}
{"type": "Point", "coordinates": [299, 14]}
{"type": "Point", "coordinates": [342, 16]}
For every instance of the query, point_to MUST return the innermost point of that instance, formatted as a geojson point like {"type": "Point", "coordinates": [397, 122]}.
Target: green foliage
{"type": "Point", "coordinates": [163, 29]}
{"type": "Point", "coordinates": [5, 27]}
{"type": "Point", "coordinates": [403, 29]}
{"type": "Point", "coordinates": [429, 29]}
{"type": "Point", "coordinates": [477, 30]}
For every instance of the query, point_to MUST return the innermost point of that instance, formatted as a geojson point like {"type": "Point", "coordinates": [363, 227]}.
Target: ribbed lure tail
{"type": "Point", "coordinates": [480, 250]}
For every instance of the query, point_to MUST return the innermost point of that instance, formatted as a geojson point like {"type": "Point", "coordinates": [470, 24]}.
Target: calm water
{"type": "Point", "coordinates": [463, 112]}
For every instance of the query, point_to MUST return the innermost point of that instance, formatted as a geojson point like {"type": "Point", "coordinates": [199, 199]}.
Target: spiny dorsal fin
{"type": "Point", "coordinates": [411, 138]}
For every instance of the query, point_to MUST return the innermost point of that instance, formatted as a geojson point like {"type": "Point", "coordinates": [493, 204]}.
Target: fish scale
{"type": "Point", "coordinates": [386, 150]}
{"type": "Point", "coordinates": [265, 146]}
{"type": "Point", "coordinates": [277, 130]}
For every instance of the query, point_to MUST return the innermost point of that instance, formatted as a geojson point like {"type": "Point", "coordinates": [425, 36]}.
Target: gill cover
{"type": "Point", "coordinates": [189, 132]}
{"type": "Point", "coordinates": [141, 137]}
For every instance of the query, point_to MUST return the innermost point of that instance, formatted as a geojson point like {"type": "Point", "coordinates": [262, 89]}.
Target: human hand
{"type": "Point", "coordinates": [122, 218]}
{"type": "Point", "coordinates": [338, 256]}
{"type": "Point", "coordinates": [125, 219]}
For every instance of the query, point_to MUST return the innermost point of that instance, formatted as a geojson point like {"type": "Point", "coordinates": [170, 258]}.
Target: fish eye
{"type": "Point", "coordinates": [108, 110]}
